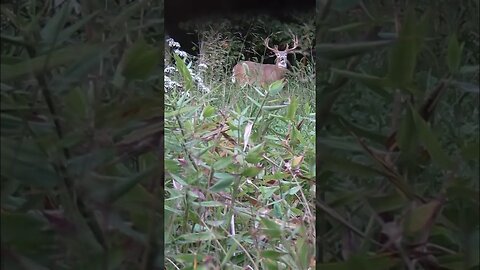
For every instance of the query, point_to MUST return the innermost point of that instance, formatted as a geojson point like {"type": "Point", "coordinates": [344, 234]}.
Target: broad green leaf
{"type": "Point", "coordinates": [407, 139]}
{"type": "Point", "coordinates": [230, 253]}
{"type": "Point", "coordinates": [273, 107]}
{"type": "Point", "coordinates": [276, 87]}
{"type": "Point", "coordinates": [362, 262]}
{"type": "Point", "coordinates": [348, 27]}
{"type": "Point", "coordinates": [361, 131]}
{"type": "Point", "coordinates": [258, 105]}
{"type": "Point", "coordinates": [222, 163]}
{"type": "Point", "coordinates": [403, 55]}
{"type": "Point", "coordinates": [271, 228]}
{"type": "Point", "coordinates": [60, 57]}
{"type": "Point", "coordinates": [180, 111]}
{"type": "Point", "coordinates": [23, 161]}
{"type": "Point", "coordinates": [199, 237]}
{"type": "Point", "coordinates": [419, 217]}
{"type": "Point", "coordinates": [68, 32]}
{"type": "Point", "coordinates": [209, 204]}
{"type": "Point", "coordinates": [375, 83]}
{"type": "Point", "coordinates": [292, 109]}
{"type": "Point", "coordinates": [140, 61]}
{"type": "Point", "coordinates": [225, 180]}
{"type": "Point", "coordinates": [254, 155]}
{"type": "Point", "coordinates": [272, 254]}
{"type": "Point", "coordinates": [339, 143]}
{"type": "Point", "coordinates": [126, 13]}
{"type": "Point", "coordinates": [122, 187]}
{"type": "Point", "coordinates": [77, 71]}
{"type": "Point", "coordinates": [15, 40]}
{"type": "Point", "coordinates": [208, 111]}
{"type": "Point", "coordinates": [76, 100]}
{"type": "Point", "coordinates": [454, 53]}
{"type": "Point", "coordinates": [344, 165]}
{"type": "Point", "coordinates": [336, 51]}
{"type": "Point", "coordinates": [388, 202]}
{"type": "Point", "coordinates": [85, 163]}
{"type": "Point", "coordinates": [172, 166]}
{"type": "Point", "coordinates": [251, 171]}
{"type": "Point", "coordinates": [431, 142]}
{"type": "Point", "coordinates": [55, 24]}
{"type": "Point", "coordinates": [182, 68]}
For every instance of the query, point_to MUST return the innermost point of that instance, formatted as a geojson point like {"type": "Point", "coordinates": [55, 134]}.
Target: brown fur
{"type": "Point", "coordinates": [251, 73]}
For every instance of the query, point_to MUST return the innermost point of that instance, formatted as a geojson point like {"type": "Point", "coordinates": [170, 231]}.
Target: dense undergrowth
{"type": "Point", "coordinates": [240, 163]}
{"type": "Point", "coordinates": [398, 135]}
{"type": "Point", "coordinates": [81, 121]}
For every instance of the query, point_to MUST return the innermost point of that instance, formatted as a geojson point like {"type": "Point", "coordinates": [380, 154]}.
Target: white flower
{"type": "Point", "coordinates": [180, 53]}
{"type": "Point", "coordinates": [172, 43]}
{"type": "Point", "coordinates": [169, 70]}
{"type": "Point", "coordinates": [169, 84]}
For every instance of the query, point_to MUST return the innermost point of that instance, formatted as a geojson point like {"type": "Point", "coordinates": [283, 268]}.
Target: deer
{"type": "Point", "coordinates": [252, 73]}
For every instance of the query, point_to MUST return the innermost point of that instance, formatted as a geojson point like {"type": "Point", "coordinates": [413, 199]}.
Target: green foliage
{"type": "Point", "coordinates": [237, 157]}
{"type": "Point", "coordinates": [393, 136]}
{"type": "Point", "coordinates": [80, 185]}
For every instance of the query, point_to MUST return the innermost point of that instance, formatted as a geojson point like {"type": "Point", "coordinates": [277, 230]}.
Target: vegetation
{"type": "Point", "coordinates": [96, 145]}
{"type": "Point", "coordinates": [81, 118]}
{"type": "Point", "coordinates": [398, 135]}
{"type": "Point", "coordinates": [239, 162]}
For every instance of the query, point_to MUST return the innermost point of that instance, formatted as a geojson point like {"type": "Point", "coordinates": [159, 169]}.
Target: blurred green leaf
{"type": "Point", "coordinates": [403, 55]}
{"type": "Point", "coordinates": [454, 53]}
{"type": "Point", "coordinates": [251, 171]}
{"type": "Point", "coordinates": [51, 30]}
{"type": "Point", "coordinates": [272, 254]}
{"type": "Point", "coordinates": [199, 237]}
{"type": "Point", "coordinates": [387, 202]}
{"type": "Point", "coordinates": [348, 27]}
{"type": "Point", "coordinates": [225, 180]}
{"type": "Point", "coordinates": [362, 262]}
{"type": "Point", "coordinates": [182, 68]}
{"type": "Point", "coordinates": [419, 217]}
{"type": "Point", "coordinates": [25, 233]}
{"type": "Point", "coordinates": [271, 228]}
{"type": "Point", "coordinates": [431, 142]}
{"type": "Point", "coordinates": [222, 163]}
{"type": "Point", "coordinates": [342, 51]}
{"type": "Point", "coordinates": [140, 61]}
{"type": "Point", "coordinates": [23, 161]}
{"type": "Point", "coordinates": [120, 188]}
{"type": "Point", "coordinates": [376, 84]}
{"type": "Point", "coordinates": [60, 57]}
{"type": "Point", "coordinates": [254, 155]}
{"type": "Point", "coordinates": [208, 111]}
{"type": "Point", "coordinates": [292, 109]}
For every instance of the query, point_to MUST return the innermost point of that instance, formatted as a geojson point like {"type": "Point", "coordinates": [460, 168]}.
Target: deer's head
{"type": "Point", "coordinates": [250, 73]}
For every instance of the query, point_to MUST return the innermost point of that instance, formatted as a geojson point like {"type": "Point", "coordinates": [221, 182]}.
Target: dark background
{"type": "Point", "coordinates": [178, 11]}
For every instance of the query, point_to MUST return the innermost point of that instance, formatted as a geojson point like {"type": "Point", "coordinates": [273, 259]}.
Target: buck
{"type": "Point", "coordinates": [252, 73]}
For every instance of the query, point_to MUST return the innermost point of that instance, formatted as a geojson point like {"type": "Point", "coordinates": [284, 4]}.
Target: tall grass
{"type": "Point", "coordinates": [240, 165]}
